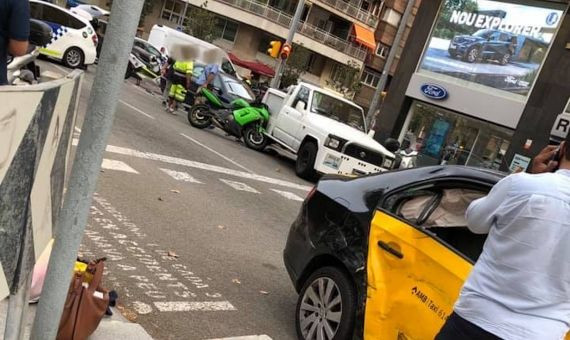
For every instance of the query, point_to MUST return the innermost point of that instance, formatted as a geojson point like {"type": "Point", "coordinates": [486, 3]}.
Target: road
{"type": "Point", "coordinates": [193, 225]}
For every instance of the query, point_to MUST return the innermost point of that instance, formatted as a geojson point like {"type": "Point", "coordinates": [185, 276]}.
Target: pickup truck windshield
{"type": "Point", "coordinates": [338, 110]}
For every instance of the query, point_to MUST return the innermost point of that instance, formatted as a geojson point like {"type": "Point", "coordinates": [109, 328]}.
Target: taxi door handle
{"type": "Point", "coordinates": [388, 248]}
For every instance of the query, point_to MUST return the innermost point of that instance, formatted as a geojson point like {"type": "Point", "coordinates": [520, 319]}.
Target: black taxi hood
{"type": "Point", "coordinates": [362, 193]}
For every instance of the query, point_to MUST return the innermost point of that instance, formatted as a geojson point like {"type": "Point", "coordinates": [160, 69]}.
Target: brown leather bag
{"type": "Point", "coordinates": [85, 305]}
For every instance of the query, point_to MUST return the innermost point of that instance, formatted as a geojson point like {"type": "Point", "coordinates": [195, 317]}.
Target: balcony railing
{"type": "Point", "coordinates": [315, 33]}
{"type": "Point", "coordinates": [353, 11]}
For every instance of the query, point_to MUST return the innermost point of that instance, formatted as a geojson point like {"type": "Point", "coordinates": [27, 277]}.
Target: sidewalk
{"type": "Point", "coordinates": [114, 327]}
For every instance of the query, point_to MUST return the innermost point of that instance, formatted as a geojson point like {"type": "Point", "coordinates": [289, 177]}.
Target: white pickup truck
{"type": "Point", "coordinates": [325, 132]}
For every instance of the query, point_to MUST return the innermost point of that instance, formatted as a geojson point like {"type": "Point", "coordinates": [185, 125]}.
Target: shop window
{"type": "Point", "coordinates": [445, 137]}
{"type": "Point", "coordinates": [227, 29]}
{"type": "Point", "coordinates": [382, 50]}
{"type": "Point", "coordinates": [370, 78]}
{"type": "Point", "coordinates": [172, 10]}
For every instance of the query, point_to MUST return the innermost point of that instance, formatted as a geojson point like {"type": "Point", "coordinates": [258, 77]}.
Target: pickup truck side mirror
{"type": "Point", "coordinates": [300, 106]}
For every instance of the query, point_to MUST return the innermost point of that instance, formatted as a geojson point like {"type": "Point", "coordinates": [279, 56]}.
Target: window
{"type": "Point", "coordinates": [227, 29]}
{"type": "Point", "coordinates": [392, 17]}
{"type": "Point", "coordinates": [370, 78]}
{"type": "Point", "coordinates": [171, 10]}
{"type": "Point", "coordinates": [440, 211]}
{"type": "Point", "coordinates": [382, 50]}
{"type": "Point", "coordinates": [302, 96]}
{"type": "Point", "coordinates": [338, 110]}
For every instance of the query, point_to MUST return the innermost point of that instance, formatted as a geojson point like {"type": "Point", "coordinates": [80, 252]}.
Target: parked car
{"type": "Point", "coordinates": [74, 40]}
{"type": "Point", "coordinates": [147, 50]}
{"type": "Point", "coordinates": [384, 256]}
{"type": "Point", "coordinates": [484, 45]}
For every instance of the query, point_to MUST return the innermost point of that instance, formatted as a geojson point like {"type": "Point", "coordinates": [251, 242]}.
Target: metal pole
{"type": "Point", "coordinates": [391, 56]}
{"type": "Point", "coordinates": [292, 30]}
{"type": "Point", "coordinates": [125, 15]}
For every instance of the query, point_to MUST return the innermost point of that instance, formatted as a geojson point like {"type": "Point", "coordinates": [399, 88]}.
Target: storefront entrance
{"type": "Point", "coordinates": [446, 137]}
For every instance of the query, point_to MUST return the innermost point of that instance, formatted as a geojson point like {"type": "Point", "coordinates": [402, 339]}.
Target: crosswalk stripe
{"type": "Point", "coordinates": [240, 186]}
{"type": "Point", "coordinates": [189, 306]}
{"type": "Point", "coordinates": [288, 195]}
{"type": "Point", "coordinates": [181, 176]}
{"type": "Point", "coordinates": [110, 164]}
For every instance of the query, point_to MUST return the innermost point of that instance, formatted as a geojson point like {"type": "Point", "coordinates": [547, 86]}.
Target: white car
{"type": "Point", "coordinates": [74, 40]}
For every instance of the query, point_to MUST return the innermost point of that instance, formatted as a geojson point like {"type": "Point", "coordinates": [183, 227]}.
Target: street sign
{"type": "Point", "coordinates": [561, 126]}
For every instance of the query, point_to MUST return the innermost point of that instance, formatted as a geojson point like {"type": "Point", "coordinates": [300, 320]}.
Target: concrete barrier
{"type": "Point", "coordinates": [36, 129]}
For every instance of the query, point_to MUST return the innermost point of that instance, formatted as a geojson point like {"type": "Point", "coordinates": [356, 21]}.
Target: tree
{"type": "Point", "coordinates": [444, 28]}
{"type": "Point", "coordinates": [346, 79]}
{"type": "Point", "coordinates": [296, 65]}
{"type": "Point", "coordinates": [203, 23]}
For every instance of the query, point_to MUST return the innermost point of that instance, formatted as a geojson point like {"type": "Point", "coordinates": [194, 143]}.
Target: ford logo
{"type": "Point", "coordinates": [434, 91]}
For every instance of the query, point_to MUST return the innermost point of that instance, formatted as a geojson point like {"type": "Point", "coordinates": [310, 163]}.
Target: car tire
{"type": "Point", "coordinates": [505, 59]}
{"type": "Point", "coordinates": [73, 58]}
{"type": "Point", "coordinates": [316, 313]}
{"type": "Point", "coordinates": [196, 119]}
{"type": "Point", "coordinates": [305, 164]}
{"type": "Point", "coordinates": [254, 139]}
{"type": "Point", "coordinates": [472, 55]}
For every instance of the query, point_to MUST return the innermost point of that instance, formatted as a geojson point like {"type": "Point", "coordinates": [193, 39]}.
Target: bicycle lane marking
{"type": "Point", "coordinates": [150, 278]}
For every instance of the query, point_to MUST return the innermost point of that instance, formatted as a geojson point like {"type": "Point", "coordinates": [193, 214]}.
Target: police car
{"type": "Point", "coordinates": [74, 41]}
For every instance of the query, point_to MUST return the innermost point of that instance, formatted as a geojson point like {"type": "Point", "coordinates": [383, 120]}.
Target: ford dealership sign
{"type": "Point", "coordinates": [433, 91]}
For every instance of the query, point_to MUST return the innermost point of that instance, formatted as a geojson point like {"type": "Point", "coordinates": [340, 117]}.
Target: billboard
{"type": "Point", "coordinates": [497, 44]}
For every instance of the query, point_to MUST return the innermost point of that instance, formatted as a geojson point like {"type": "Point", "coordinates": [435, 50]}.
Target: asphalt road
{"type": "Point", "coordinates": [193, 225]}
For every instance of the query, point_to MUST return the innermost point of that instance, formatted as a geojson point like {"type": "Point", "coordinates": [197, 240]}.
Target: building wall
{"type": "Point", "coordinates": [247, 42]}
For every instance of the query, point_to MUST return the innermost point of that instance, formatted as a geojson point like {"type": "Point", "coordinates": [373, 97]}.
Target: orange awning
{"type": "Point", "coordinates": [365, 36]}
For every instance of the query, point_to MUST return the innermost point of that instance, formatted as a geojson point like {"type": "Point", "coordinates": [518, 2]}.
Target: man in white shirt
{"type": "Point", "coordinates": [520, 287]}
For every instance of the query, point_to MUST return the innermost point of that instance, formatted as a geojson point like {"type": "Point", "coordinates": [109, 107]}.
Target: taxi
{"type": "Point", "coordinates": [384, 256]}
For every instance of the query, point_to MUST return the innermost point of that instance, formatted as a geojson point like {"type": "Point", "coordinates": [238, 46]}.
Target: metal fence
{"type": "Point", "coordinates": [313, 32]}
{"type": "Point", "coordinates": [353, 11]}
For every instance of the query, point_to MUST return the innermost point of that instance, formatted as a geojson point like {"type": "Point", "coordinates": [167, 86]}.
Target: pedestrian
{"type": "Point", "coordinates": [182, 75]}
{"type": "Point", "coordinates": [520, 286]}
{"type": "Point", "coordinates": [14, 32]}
{"type": "Point", "coordinates": [166, 74]}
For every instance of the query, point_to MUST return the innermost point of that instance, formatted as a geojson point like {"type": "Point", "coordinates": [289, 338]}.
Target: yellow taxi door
{"type": "Point", "coordinates": [413, 281]}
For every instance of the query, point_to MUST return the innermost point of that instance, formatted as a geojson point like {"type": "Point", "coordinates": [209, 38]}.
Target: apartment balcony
{"type": "Point", "coordinates": [348, 8]}
{"type": "Point", "coordinates": [278, 23]}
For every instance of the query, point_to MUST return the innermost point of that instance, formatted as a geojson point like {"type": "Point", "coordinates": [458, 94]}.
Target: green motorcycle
{"type": "Point", "coordinates": [238, 118]}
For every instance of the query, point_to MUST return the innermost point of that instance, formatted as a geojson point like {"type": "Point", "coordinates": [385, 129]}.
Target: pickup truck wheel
{"type": "Point", "coordinates": [254, 138]}
{"type": "Point", "coordinates": [198, 118]}
{"type": "Point", "coordinates": [305, 166]}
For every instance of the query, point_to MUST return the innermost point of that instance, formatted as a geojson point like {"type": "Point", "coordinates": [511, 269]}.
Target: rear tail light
{"type": "Point", "coordinates": [95, 40]}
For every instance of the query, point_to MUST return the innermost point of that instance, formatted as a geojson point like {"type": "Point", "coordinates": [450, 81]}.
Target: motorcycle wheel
{"type": "Point", "coordinates": [253, 138]}
{"type": "Point", "coordinates": [196, 117]}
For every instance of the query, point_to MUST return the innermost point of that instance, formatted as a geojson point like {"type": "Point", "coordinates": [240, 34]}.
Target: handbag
{"type": "Point", "coordinates": [86, 303]}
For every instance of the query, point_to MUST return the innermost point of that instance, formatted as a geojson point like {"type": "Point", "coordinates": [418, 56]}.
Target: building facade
{"type": "Point", "coordinates": [390, 17]}
{"type": "Point", "coordinates": [336, 32]}
{"type": "Point", "coordinates": [482, 83]}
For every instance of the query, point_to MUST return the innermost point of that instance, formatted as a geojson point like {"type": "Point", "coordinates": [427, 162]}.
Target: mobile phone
{"type": "Point", "coordinates": [556, 158]}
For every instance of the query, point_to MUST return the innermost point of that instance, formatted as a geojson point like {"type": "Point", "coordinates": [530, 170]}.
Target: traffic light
{"type": "Point", "coordinates": [274, 48]}
{"type": "Point", "coordinates": [285, 51]}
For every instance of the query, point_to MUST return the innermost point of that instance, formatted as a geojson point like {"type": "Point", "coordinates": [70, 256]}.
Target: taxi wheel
{"type": "Point", "coordinates": [326, 308]}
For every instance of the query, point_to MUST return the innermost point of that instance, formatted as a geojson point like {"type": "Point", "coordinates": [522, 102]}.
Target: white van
{"type": "Point", "coordinates": [74, 40]}
{"type": "Point", "coordinates": [162, 36]}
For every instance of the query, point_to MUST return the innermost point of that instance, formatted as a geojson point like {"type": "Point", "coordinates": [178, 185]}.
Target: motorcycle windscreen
{"type": "Point", "coordinates": [413, 281]}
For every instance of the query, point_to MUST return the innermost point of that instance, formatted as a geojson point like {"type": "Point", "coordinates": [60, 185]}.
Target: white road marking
{"type": "Point", "coordinates": [136, 110]}
{"type": "Point", "coordinates": [110, 164]}
{"type": "Point", "coordinates": [141, 308]}
{"type": "Point", "coordinates": [180, 176]}
{"type": "Point", "coordinates": [240, 186]}
{"type": "Point", "coordinates": [188, 306]}
{"type": "Point", "coordinates": [216, 153]}
{"type": "Point", "coordinates": [78, 130]}
{"type": "Point", "coordinates": [248, 337]}
{"type": "Point", "coordinates": [203, 166]}
{"type": "Point", "coordinates": [288, 195]}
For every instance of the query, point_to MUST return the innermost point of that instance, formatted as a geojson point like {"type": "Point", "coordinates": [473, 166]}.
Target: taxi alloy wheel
{"type": "Point", "coordinates": [326, 306]}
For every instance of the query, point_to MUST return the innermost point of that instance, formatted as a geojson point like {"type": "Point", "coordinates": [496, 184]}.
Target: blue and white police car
{"type": "Point", "coordinates": [74, 41]}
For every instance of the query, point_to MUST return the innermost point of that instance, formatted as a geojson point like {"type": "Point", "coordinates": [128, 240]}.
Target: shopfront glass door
{"type": "Point", "coordinates": [445, 137]}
